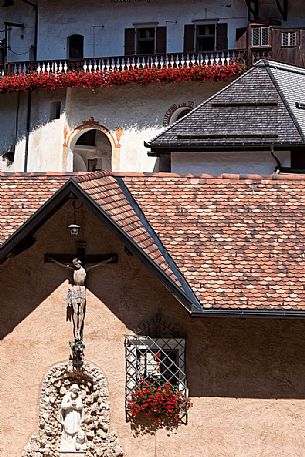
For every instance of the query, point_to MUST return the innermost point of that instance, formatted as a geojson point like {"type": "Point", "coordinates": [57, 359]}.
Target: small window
{"type": "Point", "coordinates": [288, 39]}
{"type": "Point", "coordinates": [75, 47]}
{"type": "Point", "coordinates": [205, 37]}
{"type": "Point", "coordinates": [92, 163]}
{"type": "Point", "coordinates": [260, 36]}
{"type": "Point", "coordinates": [55, 110]}
{"type": "Point", "coordinates": [87, 138]}
{"type": "Point", "coordinates": [9, 156]}
{"type": "Point", "coordinates": [154, 359]}
{"type": "Point", "coordinates": [145, 40]}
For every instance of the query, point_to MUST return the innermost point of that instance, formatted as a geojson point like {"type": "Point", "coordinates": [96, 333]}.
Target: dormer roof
{"type": "Point", "coordinates": [263, 107]}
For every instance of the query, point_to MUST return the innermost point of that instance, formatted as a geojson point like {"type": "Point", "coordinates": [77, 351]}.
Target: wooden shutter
{"type": "Point", "coordinates": [161, 40]}
{"type": "Point", "coordinates": [241, 38]}
{"type": "Point", "coordinates": [130, 42]}
{"type": "Point", "coordinates": [189, 35]}
{"type": "Point", "coordinates": [221, 36]}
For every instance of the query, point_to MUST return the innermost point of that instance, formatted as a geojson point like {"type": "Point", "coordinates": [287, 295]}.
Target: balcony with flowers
{"type": "Point", "coordinates": [94, 73]}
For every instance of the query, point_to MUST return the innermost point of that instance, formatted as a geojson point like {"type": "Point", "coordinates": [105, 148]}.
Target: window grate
{"type": "Point", "coordinates": [260, 36]}
{"type": "Point", "coordinates": [154, 359]}
{"type": "Point", "coordinates": [288, 39]}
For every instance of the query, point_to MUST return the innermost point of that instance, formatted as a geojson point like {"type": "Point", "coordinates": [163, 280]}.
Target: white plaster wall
{"type": "Point", "coordinates": [216, 163]}
{"type": "Point", "coordinates": [138, 110]}
{"type": "Point", "coordinates": [102, 22]}
{"type": "Point", "coordinates": [47, 136]}
{"type": "Point", "coordinates": [19, 40]}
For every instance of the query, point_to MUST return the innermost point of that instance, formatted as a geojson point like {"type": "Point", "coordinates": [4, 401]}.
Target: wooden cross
{"type": "Point", "coordinates": [81, 255]}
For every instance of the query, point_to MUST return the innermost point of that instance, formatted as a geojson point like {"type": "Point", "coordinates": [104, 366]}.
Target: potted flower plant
{"type": "Point", "coordinates": [158, 400]}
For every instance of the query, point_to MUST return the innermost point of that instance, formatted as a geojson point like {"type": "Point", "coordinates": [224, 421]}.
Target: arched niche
{"type": "Point", "coordinates": [96, 422]}
{"type": "Point", "coordinates": [92, 147]}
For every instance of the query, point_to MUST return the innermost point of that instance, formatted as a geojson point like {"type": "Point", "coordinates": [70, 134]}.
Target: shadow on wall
{"type": "Point", "coordinates": [133, 107]}
{"type": "Point", "coordinates": [225, 357]}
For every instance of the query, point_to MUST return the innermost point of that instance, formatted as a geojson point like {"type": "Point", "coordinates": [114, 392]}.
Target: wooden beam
{"type": "Point", "coordinates": [252, 9]}
{"type": "Point", "coordinates": [282, 6]}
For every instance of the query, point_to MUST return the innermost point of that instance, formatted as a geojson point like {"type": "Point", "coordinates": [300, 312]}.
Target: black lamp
{"type": "Point", "coordinates": [74, 229]}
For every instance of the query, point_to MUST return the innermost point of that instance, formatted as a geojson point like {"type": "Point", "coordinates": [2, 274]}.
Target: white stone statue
{"type": "Point", "coordinates": [71, 418]}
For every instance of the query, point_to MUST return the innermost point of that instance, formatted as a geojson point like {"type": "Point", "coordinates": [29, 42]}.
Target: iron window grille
{"type": "Point", "coordinates": [288, 39]}
{"type": "Point", "coordinates": [154, 359]}
{"type": "Point", "coordinates": [260, 36]}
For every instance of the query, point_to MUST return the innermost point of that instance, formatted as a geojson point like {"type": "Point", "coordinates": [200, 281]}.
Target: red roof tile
{"type": "Point", "coordinates": [237, 240]}
{"type": "Point", "coordinates": [22, 194]}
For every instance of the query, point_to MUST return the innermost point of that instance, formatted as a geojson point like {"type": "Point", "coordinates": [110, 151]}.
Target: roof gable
{"type": "Point", "coordinates": [223, 246]}
{"type": "Point", "coordinates": [254, 110]}
{"type": "Point", "coordinates": [106, 198]}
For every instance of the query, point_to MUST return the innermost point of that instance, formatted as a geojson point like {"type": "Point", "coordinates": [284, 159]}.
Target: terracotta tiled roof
{"type": "Point", "coordinates": [107, 193]}
{"type": "Point", "coordinates": [21, 195]}
{"type": "Point", "coordinates": [237, 241]}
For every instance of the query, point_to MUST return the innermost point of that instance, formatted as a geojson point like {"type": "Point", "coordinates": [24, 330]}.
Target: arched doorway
{"type": "Point", "coordinates": [92, 151]}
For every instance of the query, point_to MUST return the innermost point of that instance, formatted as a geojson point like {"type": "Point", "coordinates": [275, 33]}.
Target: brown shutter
{"type": "Point", "coordinates": [161, 40]}
{"type": "Point", "coordinates": [130, 42]}
{"type": "Point", "coordinates": [241, 38]}
{"type": "Point", "coordinates": [221, 36]}
{"type": "Point", "coordinates": [189, 33]}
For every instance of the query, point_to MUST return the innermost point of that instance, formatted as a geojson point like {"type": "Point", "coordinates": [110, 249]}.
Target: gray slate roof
{"type": "Point", "coordinates": [256, 110]}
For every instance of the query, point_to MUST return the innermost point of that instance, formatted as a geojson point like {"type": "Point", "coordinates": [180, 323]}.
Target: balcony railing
{"type": "Point", "coordinates": [121, 63]}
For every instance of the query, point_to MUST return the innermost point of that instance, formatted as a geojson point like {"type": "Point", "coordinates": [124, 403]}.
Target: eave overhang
{"type": "Point", "coordinates": [155, 151]}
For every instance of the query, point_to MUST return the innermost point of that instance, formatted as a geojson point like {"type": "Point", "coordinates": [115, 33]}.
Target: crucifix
{"type": "Point", "coordinates": [76, 297]}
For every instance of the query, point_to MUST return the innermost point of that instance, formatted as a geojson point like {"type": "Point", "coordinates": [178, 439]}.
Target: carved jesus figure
{"type": "Point", "coordinates": [76, 298]}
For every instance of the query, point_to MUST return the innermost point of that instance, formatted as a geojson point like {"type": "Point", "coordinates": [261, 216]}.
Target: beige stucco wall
{"type": "Point", "coordinates": [246, 377]}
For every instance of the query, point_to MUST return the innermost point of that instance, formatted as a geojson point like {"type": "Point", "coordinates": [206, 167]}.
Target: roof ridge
{"type": "Point", "coordinates": [286, 104]}
{"type": "Point", "coordinates": [281, 66]}
{"type": "Point", "coordinates": [147, 144]}
{"type": "Point", "coordinates": [30, 174]}
{"type": "Point", "coordinates": [188, 291]}
{"type": "Point", "coordinates": [223, 176]}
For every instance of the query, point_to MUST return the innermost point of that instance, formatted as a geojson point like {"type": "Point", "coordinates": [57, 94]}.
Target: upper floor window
{"type": "Point", "coordinates": [145, 40]}
{"type": "Point", "coordinates": [55, 110]}
{"type": "Point", "coordinates": [75, 47]}
{"type": "Point", "coordinates": [260, 36]}
{"type": "Point", "coordinates": [289, 39]}
{"type": "Point", "coordinates": [205, 37]}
